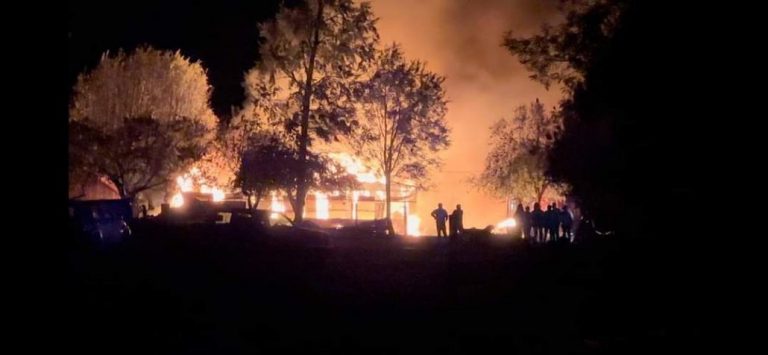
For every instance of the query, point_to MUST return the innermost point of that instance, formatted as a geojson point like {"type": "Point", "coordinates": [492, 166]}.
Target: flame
{"type": "Point", "coordinates": [321, 206]}
{"type": "Point", "coordinates": [187, 183]}
{"type": "Point", "coordinates": [355, 166]}
{"type": "Point", "coordinates": [413, 221]}
{"type": "Point", "coordinates": [413, 225]}
{"type": "Point", "coordinates": [218, 194]}
{"type": "Point", "coordinates": [501, 227]}
{"type": "Point", "coordinates": [184, 183]}
{"type": "Point", "coordinates": [177, 200]}
{"type": "Point", "coordinates": [276, 206]}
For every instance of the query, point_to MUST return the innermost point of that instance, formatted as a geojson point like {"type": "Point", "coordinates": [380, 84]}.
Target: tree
{"type": "Point", "coordinates": [265, 167]}
{"type": "Point", "coordinates": [140, 154]}
{"type": "Point", "coordinates": [221, 163]}
{"type": "Point", "coordinates": [566, 54]}
{"type": "Point", "coordinates": [563, 53]}
{"type": "Point", "coordinates": [269, 164]}
{"type": "Point", "coordinates": [403, 125]}
{"type": "Point", "coordinates": [139, 119]}
{"type": "Point", "coordinates": [627, 146]}
{"type": "Point", "coordinates": [162, 85]}
{"type": "Point", "coordinates": [516, 166]}
{"type": "Point", "coordinates": [309, 56]}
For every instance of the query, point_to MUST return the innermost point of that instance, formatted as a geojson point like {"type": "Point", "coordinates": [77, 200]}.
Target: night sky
{"type": "Point", "coordinates": [222, 34]}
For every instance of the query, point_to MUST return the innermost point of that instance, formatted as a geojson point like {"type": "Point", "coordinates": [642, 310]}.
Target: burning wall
{"type": "Point", "coordinates": [365, 203]}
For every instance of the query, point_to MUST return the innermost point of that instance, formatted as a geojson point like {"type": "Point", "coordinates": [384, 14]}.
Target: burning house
{"type": "Point", "coordinates": [367, 202]}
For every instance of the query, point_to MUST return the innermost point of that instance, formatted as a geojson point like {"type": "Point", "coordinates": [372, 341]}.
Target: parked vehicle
{"type": "Point", "coordinates": [100, 222]}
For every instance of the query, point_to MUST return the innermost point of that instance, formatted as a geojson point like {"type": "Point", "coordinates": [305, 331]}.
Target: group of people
{"type": "Point", "coordinates": [455, 221]}
{"type": "Point", "coordinates": [540, 226]}
{"type": "Point", "coordinates": [537, 226]}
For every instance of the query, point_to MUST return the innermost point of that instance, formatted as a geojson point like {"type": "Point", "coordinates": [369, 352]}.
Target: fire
{"type": "Point", "coordinates": [355, 166]}
{"type": "Point", "coordinates": [321, 206]}
{"type": "Point", "coordinates": [187, 183]}
{"type": "Point", "coordinates": [413, 221]}
{"type": "Point", "coordinates": [177, 200]}
{"type": "Point", "coordinates": [502, 226]}
{"type": "Point", "coordinates": [276, 206]}
{"type": "Point", "coordinates": [184, 183]}
{"type": "Point", "coordinates": [413, 225]}
{"type": "Point", "coordinates": [218, 194]}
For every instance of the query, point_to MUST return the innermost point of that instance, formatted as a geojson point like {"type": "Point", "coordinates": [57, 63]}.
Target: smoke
{"type": "Point", "coordinates": [461, 39]}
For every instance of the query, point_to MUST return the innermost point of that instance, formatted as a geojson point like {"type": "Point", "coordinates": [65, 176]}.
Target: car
{"type": "Point", "coordinates": [100, 222]}
{"type": "Point", "coordinates": [366, 228]}
{"type": "Point", "coordinates": [273, 225]}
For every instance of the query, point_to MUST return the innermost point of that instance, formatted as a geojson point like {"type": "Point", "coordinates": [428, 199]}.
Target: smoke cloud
{"type": "Point", "coordinates": [461, 39]}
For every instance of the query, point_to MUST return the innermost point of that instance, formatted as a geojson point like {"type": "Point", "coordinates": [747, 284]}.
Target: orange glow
{"type": "Point", "coordinates": [355, 166]}
{"type": "Point", "coordinates": [413, 225]}
{"type": "Point", "coordinates": [483, 85]}
{"type": "Point", "coordinates": [355, 198]}
{"type": "Point", "coordinates": [322, 206]}
{"type": "Point", "coordinates": [501, 227]}
{"type": "Point", "coordinates": [184, 183]}
{"type": "Point", "coordinates": [276, 206]}
{"type": "Point", "coordinates": [187, 183]}
{"type": "Point", "coordinates": [177, 200]}
{"type": "Point", "coordinates": [218, 194]}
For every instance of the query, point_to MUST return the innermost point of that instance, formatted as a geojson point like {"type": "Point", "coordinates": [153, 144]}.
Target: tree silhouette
{"type": "Point", "coordinates": [403, 124]}
{"type": "Point", "coordinates": [139, 118]}
{"type": "Point", "coordinates": [517, 164]}
{"type": "Point", "coordinates": [310, 55]}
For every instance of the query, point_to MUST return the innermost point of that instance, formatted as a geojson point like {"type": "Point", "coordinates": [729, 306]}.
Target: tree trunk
{"type": "Point", "coordinates": [302, 186]}
{"type": "Point", "coordinates": [258, 199]}
{"type": "Point", "coordinates": [388, 197]}
{"type": "Point", "coordinates": [541, 193]}
{"type": "Point", "coordinates": [120, 187]}
{"type": "Point", "coordinates": [388, 204]}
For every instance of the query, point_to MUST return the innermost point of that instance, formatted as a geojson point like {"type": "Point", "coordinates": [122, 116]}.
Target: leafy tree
{"type": "Point", "coordinates": [516, 166]}
{"type": "Point", "coordinates": [403, 120]}
{"type": "Point", "coordinates": [139, 118]}
{"type": "Point", "coordinates": [310, 55]}
{"type": "Point", "coordinates": [269, 164]}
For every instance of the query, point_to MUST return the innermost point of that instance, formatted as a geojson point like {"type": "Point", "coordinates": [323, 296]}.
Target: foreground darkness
{"type": "Point", "coordinates": [194, 290]}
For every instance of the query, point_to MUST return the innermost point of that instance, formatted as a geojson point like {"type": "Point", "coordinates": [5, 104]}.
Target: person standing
{"type": "Point", "coordinates": [566, 220]}
{"type": "Point", "coordinates": [554, 223]}
{"type": "Point", "coordinates": [440, 215]}
{"type": "Point", "coordinates": [527, 224]}
{"type": "Point", "coordinates": [457, 221]}
{"type": "Point", "coordinates": [538, 223]}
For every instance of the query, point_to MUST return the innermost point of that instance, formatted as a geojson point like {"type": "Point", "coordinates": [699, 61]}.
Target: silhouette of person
{"type": "Point", "coordinates": [537, 217]}
{"type": "Point", "coordinates": [440, 215]}
{"type": "Point", "coordinates": [527, 223]}
{"type": "Point", "coordinates": [457, 221]}
{"type": "Point", "coordinates": [566, 221]}
{"type": "Point", "coordinates": [143, 211]}
{"type": "Point", "coordinates": [520, 218]}
{"type": "Point", "coordinates": [554, 223]}
{"type": "Point", "coordinates": [548, 223]}
{"type": "Point", "coordinates": [586, 230]}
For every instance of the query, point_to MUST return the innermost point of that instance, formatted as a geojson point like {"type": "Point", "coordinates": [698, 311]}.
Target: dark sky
{"type": "Point", "coordinates": [222, 34]}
